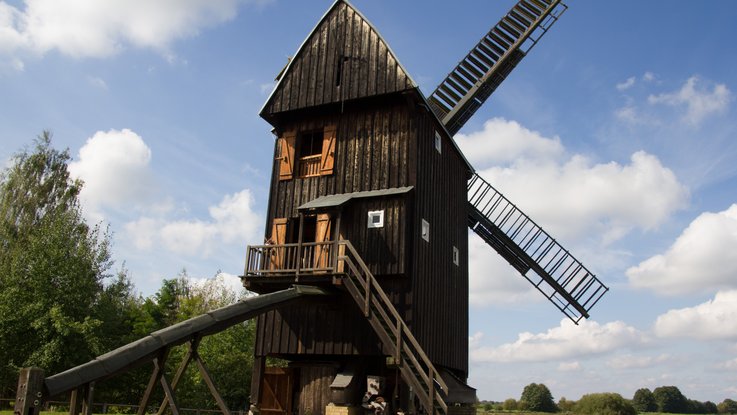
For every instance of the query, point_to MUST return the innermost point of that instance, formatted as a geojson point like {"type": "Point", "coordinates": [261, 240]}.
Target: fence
{"type": "Point", "coordinates": [111, 408]}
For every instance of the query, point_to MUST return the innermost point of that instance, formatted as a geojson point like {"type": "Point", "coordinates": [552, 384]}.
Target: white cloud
{"type": "Point", "coordinates": [629, 83]}
{"type": "Point", "coordinates": [504, 141]}
{"type": "Point", "coordinates": [233, 220]}
{"type": "Point", "coordinates": [570, 195]}
{"type": "Point", "coordinates": [713, 320]}
{"type": "Point", "coordinates": [114, 166]}
{"type": "Point", "coordinates": [648, 77]}
{"type": "Point", "coordinates": [636, 362]}
{"type": "Point", "coordinates": [569, 366]}
{"type": "Point", "coordinates": [702, 259]}
{"type": "Point", "coordinates": [563, 342]}
{"type": "Point", "coordinates": [98, 82]}
{"type": "Point", "coordinates": [699, 101]}
{"type": "Point", "coordinates": [730, 365]}
{"type": "Point", "coordinates": [492, 281]}
{"type": "Point", "coordinates": [578, 197]}
{"type": "Point", "coordinates": [81, 28]}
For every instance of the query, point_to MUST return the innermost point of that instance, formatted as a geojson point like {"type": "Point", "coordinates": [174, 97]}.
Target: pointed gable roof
{"type": "Point", "coordinates": [343, 58]}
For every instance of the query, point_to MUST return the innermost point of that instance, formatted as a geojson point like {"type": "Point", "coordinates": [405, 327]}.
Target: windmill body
{"type": "Point", "coordinates": [371, 198]}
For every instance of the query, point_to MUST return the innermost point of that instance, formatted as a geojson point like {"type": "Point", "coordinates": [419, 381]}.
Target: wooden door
{"type": "Point", "coordinates": [322, 234]}
{"type": "Point", "coordinates": [276, 391]}
{"type": "Point", "coordinates": [278, 237]}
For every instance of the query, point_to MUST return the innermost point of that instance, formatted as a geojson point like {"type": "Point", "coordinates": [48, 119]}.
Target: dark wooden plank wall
{"type": "Point", "coordinates": [314, 385]}
{"type": "Point", "coordinates": [385, 249]}
{"type": "Point", "coordinates": [332, 327]}
{"type": "Point", "coordinates": [342, 40]}
{"type": "Point", "coordinates": [371, 153]}
{"type": "Point", "coordinates": [440, 288]}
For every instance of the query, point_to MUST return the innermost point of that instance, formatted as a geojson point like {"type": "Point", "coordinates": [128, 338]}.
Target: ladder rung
{"type": "Point", "coordinates": [478, 54]}
{"type": "Point", "coordinates": [475, 61]}
{"type": "Point", "coordinates": [470, 68]}
{"type": "Point", "coordinates": [450, 92]}
{"type": "Point", "coordinates": [487, 51]}
{"type": "Point", "coordinates": [515, 27]}
{"type": "Point", "coordinates": [461, 80]}
{"type": "Point", "coordinates": [493, 46]}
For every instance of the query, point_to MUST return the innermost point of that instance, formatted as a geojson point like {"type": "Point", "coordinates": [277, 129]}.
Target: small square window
{"type": "Point", "coordinates": [438, 142]}
{"type": "Point", "coordinates": [376, 219]}
{"type": "Point", "coordinates": [425, 230]}
{"type": "Point", "coordinates": [456, 256]}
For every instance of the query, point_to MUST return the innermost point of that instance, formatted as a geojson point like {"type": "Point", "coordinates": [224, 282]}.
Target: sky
{"type": "Point", "coordinates": [617, 134]}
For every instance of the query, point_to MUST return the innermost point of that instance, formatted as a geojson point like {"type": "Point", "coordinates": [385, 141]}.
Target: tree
{"type": "Point", "coordinates": [537, 397]}
{"type": "Point", "coordinates": [644, 401]}
{"type": "Point", "coordinates": [670, 399]}
{"type": "Point", "coordinates": [604, 404]}
{"type": "Point", "coordinates": [564, 405]}
{"type": "Point", "coordinates": [510, 405]}
{"type": "Point", "coordinates": [727, 406]}
{"type": "Point", "coordinates": [52, 267]}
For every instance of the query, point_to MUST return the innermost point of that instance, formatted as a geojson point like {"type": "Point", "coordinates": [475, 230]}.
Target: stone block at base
{"type": "Point", "coordinates": [342, 410]}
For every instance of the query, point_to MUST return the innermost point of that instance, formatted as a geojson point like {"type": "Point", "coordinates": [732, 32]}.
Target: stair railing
{"type": "Point", "coordinates": [415, 366]}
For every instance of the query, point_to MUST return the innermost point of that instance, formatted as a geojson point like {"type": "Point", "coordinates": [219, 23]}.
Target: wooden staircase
{"type": "Point", "coordinates": [416, 368]}
{"type": "Point", "coordinates": [489, 63]}
{"type": "Point", "coordinates": [530, 250]}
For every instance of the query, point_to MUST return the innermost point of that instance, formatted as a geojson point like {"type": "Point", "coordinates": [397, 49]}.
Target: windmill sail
{"type": "Point", "coordinates": [477, 75]}
{"type": "Point", "coordinates": [563, 279]}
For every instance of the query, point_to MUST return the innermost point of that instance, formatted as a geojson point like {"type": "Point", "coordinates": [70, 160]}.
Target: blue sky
{"type": "Point", "coordinates": [616, 134]}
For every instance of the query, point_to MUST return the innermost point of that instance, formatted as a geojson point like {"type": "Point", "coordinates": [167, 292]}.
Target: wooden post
{"type": "Point", "coordinates": [156, 375]}
{"type": "Point", "coordinates": [87, 397]}
{"type": "Point", "coordinates": [299, 246]}
{"type": "Point", "coordinates": [193, 344]}
{"type": "Point", "coordinates": [29, 394]}
{"type": "Point", "coordinates": [259, 366]}
{"type": "Point", "coordinates": [75, 401]}
{"type": "Point", "coordinates": [336, 239]}
{"type": "Point", "coordinates": [210, 384]}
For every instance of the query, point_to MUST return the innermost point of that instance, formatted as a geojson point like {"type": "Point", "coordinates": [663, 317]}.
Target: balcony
{"type": "Point", "coordinates": [273, 267]}
{"type": "Point", "coordinates": [309, 166]}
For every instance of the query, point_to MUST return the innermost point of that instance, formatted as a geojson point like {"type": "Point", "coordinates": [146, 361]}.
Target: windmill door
{"type": "Point", "coordinates": [277, 391]}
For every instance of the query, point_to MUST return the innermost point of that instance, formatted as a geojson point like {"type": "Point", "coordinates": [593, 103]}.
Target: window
{"type": "Point", "coordinates": [456, 256]}
{"type": "Point", "coordinates": [425, 230]}
{"type": "Point", "coordinates": [376, 219]}
{"type": "Point", "coordinates": [310, 153]}
{"type": "Point", "coordinates": [315, 153]}
{"type": "Point", "coordinates": [438, 142]}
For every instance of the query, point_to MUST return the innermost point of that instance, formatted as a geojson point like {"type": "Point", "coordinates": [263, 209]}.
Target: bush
{"type": "Point", "coordinates": [727, 406]}
{"type": "Point", "coordinates": [564, 405]}
{"type": "Point", "coordinates": [604, 404]}
{"type": "Point", "coordinates": [644, 401]}
{"type": "Point", "coordinates": [510, 405]}
{"type": "Point", "coordinates": [537, 398]}
{"type": "Point", "coordinates": [670, 399]}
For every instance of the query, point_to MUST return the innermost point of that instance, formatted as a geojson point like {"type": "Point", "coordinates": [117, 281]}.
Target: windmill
{"type": "Point", "coordinates": [370, 196]}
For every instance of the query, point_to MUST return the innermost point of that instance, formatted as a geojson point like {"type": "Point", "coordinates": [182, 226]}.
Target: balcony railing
{"type": "Point", "coordinates": [309, 166]}
{"type": "Point", "coordinates": [290, 259]}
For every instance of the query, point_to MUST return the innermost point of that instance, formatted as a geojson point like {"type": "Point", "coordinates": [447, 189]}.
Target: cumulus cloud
{"type": "Point", "coordinates": [636, 362]}
{"type": "Point", "coordinates": [578, 196]}
{"type": "Point", "coordinates": [492, 281]}
{"type": "Point", "coordinates": [114, 166]}
{"type": "Point", "coordinates": [702, 259]}
{"type": "Point", "coordinates": [715, 319]}
{"type": "Point", "coordinates": [698, 100]}
{"type": "Point", "coordinates": [503, 141]}
{"type": "Point", "coordinates": [629, 83]}
{"type": "Point", "coordinates": [563, 342]}
{"type": "Point", "coordinates": [81, 28]}
{"type": "Point", "coordinates": [232, 220]}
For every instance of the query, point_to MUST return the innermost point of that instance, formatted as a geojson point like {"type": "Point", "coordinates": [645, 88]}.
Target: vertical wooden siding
{"type": "Point", "coordinates": [439, 287]}
{"type": "Point", "coordinates": [371, 153]}
{"type": "Point", "coordinates": [343, 59]}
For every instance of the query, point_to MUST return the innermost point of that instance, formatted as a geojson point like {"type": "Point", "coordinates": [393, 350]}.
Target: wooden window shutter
{"type": "Point", "coordinates": [278, 237]}
{"type": "Point", "coordinates": [286, 155]}
{"type": "Point", "coordinates": [322, 234]}
{"type": "Point", "coordinates": [328, 149]}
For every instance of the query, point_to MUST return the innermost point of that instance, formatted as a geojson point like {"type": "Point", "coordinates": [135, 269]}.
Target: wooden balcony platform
{"type": "Point", "coordinates": [271, 268]}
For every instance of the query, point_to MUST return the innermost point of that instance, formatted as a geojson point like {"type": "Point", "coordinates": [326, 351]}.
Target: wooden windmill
{"type": "Point", "coordinates": [371, 197]}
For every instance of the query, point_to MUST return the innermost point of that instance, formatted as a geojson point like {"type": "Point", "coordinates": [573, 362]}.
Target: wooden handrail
{"type": "Point", "coordinates": [405, 340]}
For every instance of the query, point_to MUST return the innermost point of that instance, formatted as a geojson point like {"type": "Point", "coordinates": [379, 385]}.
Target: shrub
{"type": "Point", "coordinates": [644, 401]}
{"type": "Point", "coordinates": [727, 406]}
{"type": "Point", "coordinates": [564, 405]}
{"type": "Point", "coordinates": [510, 405]}
{"type": "Point", "coordinates": [537, 398]}
{"type": "Point", "coordinates": [604, 404]}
